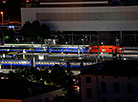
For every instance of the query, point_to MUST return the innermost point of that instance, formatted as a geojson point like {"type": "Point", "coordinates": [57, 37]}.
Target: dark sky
{"type": "Point", "coordinates": [11, 9]}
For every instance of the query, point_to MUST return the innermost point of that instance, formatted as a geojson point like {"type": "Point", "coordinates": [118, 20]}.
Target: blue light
{"type": "Point", "coordinates": [11, 27]}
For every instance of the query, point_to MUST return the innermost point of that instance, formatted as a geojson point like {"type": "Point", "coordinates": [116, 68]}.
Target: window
{"type": "Point", "coordinates": [104, 99]}
{"type": "Point", "coordinates": [116, 88]}
{"type": "Point", "coordinates": [130, 100]}
{"type": "Point", "coordinates": [40, 100]}
{"type": "Point", "coordinates": [102, 76]}
{"type": "Point", "coordinates": [89, 93]}
{"type": "Point", "coordinates": [115, 77]}
{"type": "Point", "coordinates": [117, 100]}
{"type": "Point", "coordinates": [103, 87]}
{"type": "Point", "coordinates": [88, 79]}
{"type": "Point", "coordinates": [129, 88]}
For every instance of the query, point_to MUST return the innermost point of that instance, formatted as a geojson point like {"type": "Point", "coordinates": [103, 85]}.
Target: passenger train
{"type": "Point", "coordinates": [89, 49]}
{"type": "Point", "coordinates": [42, 63]}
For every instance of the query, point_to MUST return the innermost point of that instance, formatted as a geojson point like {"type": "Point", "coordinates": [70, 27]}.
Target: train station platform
{"type": "Point", "coordinates": [42, 45]}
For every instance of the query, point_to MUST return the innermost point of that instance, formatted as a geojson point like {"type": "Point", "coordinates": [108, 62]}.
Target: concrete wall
{"type": "Point", "coordinates": [117, 18]}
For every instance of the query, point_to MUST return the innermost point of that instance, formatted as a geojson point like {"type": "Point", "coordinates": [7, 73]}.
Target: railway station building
{"type": "Point", "coordinates": [83, 22]}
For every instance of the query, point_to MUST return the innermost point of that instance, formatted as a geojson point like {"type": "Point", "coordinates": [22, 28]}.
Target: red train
{"type": "Point", "coordinates": [105, 49]}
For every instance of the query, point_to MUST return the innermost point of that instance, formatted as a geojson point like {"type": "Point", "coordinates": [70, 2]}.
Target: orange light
{"type": "Point", "coordinates": [27, 0]}
{"type": "Point", "coordinates": [1, 13]}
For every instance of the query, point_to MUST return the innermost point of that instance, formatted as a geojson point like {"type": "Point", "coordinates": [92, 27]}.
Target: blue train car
{"type": "Point", "coordinates": [44, 49]}
{"type": "Point", "coordinates": [66, 50]}
{"type": "Point", "coordinates": [15, 63]}
{"type": "Point", "coordinates": [42, 63]}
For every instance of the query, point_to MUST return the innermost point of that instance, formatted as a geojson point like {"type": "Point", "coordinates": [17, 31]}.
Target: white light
{"type": "Point", "coordinates": [124, 58]}
{"type": "Point", "coordinates": [4, 1]}
{"type": "Point", "coordinates": [102, 43]}
{"type": "Point", "coordinates": [41, 57]}
{"type": "Point", "coordinates": [80, 58]}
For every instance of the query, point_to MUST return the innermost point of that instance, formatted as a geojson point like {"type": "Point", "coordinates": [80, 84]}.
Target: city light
{"type": "Point", "coordinates": [1, 13]}
{"type": "Point", "coordinates": [27, 0]}
{"type": "Point", "coordinates": [4, 1]}
{"type": "Point", "coordinates": [2, 17]}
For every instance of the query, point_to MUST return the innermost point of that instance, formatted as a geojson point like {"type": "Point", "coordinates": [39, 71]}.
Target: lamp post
{"type": "Point", "coordinates": [2, 17]}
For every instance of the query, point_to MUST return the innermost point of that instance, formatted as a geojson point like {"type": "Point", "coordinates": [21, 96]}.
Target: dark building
{"type": "Point", "coordinates": [111, 81]}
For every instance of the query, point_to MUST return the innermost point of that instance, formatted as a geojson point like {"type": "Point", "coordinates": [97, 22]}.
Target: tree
{"type": "Point", "coordinates": [7, 35]}
{"type": "Point", "coordinates": [69, 92]}
{"type": "Point", "coordinates": [57, 75]}
{"type": "Point", "coordinates": [45, 31]}
{"type": "Point", "coordinates": [27, 30]}
{"type": "Point", "coordinates": [35, 29]}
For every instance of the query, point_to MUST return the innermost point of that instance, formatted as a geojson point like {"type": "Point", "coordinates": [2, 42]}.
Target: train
{"type": "Point", "coordinates": [27, 63]}
{"type": "Point", "coordinates": [105, 49]}
{"type": "Point", "coordinates": [88, 49]}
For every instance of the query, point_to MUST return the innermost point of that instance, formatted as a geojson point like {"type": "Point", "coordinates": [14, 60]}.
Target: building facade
{"type": "Point", "coordinates": [99, 23]}
{"type": "Point", "coordinates": [109, 86]}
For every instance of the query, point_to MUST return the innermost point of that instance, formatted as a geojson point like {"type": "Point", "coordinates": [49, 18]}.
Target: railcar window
{"type": "Point", "coordinates": [110, 48]}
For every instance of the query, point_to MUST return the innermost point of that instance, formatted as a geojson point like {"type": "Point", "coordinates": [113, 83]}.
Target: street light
{"type": "Point", "coordinates": [2, 17]}
{"type": "Point", "coordinates": [27, 1]}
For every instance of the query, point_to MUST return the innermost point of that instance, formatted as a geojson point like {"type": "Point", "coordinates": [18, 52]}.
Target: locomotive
{"type": "Point", "coordinates": [105, 49]}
